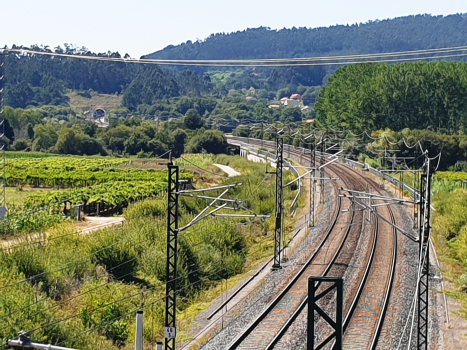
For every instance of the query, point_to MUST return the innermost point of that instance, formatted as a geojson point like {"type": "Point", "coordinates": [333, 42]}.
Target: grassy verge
{"type": "Point", "coordinates": [449, 233]}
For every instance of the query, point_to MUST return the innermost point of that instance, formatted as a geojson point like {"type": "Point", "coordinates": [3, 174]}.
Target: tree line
{"type": "Point", "coordinates": [409, 95]}
{"type": "Point", "coordinates": [31, 130]}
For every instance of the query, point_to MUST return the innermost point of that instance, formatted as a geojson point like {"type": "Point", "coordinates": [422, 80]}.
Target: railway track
{"type": "Point", "coordinates": [364, 320]}
{"type": "Point", "coordinates": [365, 307]}
{"type": "Point", "coordinates": [271, 320]}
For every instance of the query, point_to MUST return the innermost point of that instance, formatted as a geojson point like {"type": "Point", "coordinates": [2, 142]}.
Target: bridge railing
{"type": "Point", "coordinates": [364, 166]}
{"type": "Point", "coordinates": [270, 156]}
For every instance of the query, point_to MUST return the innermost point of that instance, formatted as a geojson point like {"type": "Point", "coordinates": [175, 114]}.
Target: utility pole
{"type": "Point", "coordinates": [279, 202]}
{"type": "Point", "coordinates": [312, 182]}
{"type": "Point", "coordinates": [416, 219]}
{"type": "Point", "coordinates": [173, 230]}
{"type": "Point", "coordinates": [172, 254]}
{"type": "Point", "coordinates": [424, 229]}
{"type": "Point", "coordinates": [2, 134]}
{"type": "Point", "coordinates": [321, 175]}
{"type": "Point", "coordinates": [262, 135]}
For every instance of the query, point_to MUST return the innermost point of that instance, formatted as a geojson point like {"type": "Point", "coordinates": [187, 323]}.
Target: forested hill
{"type": "Point", "coordinates": [399, 34]}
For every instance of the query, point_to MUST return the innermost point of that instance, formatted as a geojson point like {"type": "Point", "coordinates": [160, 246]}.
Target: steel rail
{"type": "Point", "coordinates": [352, 307]}
{"type": "Point", "coordinates": [388, 288]}
{"type": "Point", "coordinates": [263, 315]}
{"type": "Point", "coordinates": [380, 324]}
{"type": "Point", "coordinates": [237, 341]}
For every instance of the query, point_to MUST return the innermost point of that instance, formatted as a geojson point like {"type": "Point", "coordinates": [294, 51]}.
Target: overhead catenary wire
{"type": "Point", "coordinates": [23, 308]}
{"type": "Point", "coordinates": [45, 208]}
{"type": "Point", "coordinates": [134, 310]}
{"type": "Point", "coordinates": [208, 171]}
{"type": "Point", "coordinates": [64, 265]}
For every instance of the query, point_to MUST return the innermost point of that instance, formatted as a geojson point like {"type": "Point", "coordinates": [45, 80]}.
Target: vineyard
{"type": "Point", "coordinates": [110, 193]}
{"type": "Point", "coordinates": [104, 185]}
{"type": "Point", "coordinates": [73, 172]}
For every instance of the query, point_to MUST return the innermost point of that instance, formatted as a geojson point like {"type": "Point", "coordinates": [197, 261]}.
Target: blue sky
{"type": "Point", "coordinates": [140, 27]}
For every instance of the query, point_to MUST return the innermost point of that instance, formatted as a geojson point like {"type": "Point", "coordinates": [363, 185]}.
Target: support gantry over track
{"type": "Point", "coordinates": [424, 237]}
{"type": "Point", "coordinates": [174, 190]}
{"type": "Point", "coordinates": [2, 134]}
{"type": "Point", "coordinates": [279, 203]}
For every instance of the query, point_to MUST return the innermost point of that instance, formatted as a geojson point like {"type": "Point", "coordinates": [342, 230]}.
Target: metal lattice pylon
{"type": "Point", "coordinates": [312, 182]}
{"type": "Point", "coordinates": [321, 174]}
{"type": "Point", "coordinates": [424, 236]}
{"type": "Point", "coordinates": [279, 203]}
{"type": "Point", "coordinates": [2, 134]}
{"type": "Point", "coordinates": [172, 253]}
{"type": "Point", "coordinates": [337, 284]}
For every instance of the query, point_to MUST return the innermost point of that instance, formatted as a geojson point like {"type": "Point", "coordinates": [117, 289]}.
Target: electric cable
{"type": "Point", "coordinates": [161, 285]}
{"type": "Point", "coordinates": [45, 208]}
{"type": "Point", "coordinates": [75, 296]}
{"type": "Point", "coordinates": [59, 268]}
{"type": "Point", "coordinates": [306, 61]}
{"type": "Point", "coordinates": [132, 311]}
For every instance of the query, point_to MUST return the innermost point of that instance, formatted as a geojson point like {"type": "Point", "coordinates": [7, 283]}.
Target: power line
{"type": "Point", "coordinates": [132, 311]}
{"type": "Point", "coordinates": [65, 265]}
{"type": "Point", "coordinates": [449, 52]}
{"type": "Point", "coordinates": [196, 166]}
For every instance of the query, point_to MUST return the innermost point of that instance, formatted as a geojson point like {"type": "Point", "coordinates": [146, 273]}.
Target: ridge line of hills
{"type": "Point", "coordinates": [390, 35]}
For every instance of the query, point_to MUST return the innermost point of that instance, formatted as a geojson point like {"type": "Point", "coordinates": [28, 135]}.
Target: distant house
{"type": "Point", "coordinates": [251, 98]}
{"type": "Point", "coordinates": [295, 101]}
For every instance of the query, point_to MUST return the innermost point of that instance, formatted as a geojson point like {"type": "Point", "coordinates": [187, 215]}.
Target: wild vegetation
{"type": "Point", "coordinates": [450, 235]}
{"type": "Point", "coordinates": [409, 95]}
{"type": "Point", "coordinates": [83, 290]}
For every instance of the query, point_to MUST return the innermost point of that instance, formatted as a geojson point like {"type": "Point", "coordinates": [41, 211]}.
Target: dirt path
{"type": "Point", "coordinates": [95, 223]}
{"type": "Point", "coordinates": [90, 224]}
{"type": "Point", "coordinates": [226, 169]}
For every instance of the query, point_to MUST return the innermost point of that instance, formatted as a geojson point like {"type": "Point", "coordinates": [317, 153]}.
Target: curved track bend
{"type": "Point", "coordinates": [368, 298]}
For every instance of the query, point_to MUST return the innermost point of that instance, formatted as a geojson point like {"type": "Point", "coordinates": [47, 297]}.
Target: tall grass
{"type": "Point", "coordinates": [449, 222]}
